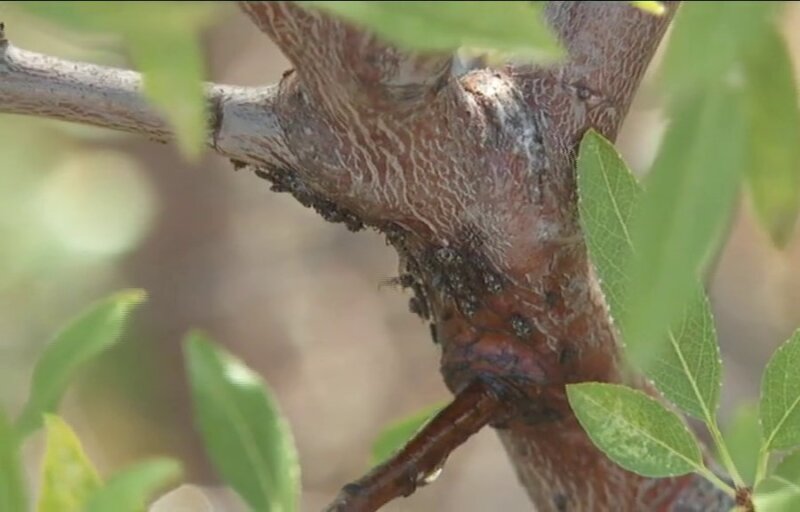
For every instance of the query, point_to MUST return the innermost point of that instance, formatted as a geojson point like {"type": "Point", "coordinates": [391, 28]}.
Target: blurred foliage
{"type": "Point", "coordinates": [515, 27]}
{"type": "Point", "coordinates": [733, 108]}
{"type": "Point", "coordinates": [684, 210]}
{"type": "Point", "coordinates": [162, 41]}
{"type": "Point", "coordinates": [89, 334]}
{"type": "Point", "coordinates": [131, 489]}
{"type": "Point", "coordinates": [781, 491]}
{"type": "Point", "coordinates": [743, 435]}
{"type": "Point", "coordinates": [13, 488]}
{"type": "Point", "coordinates": [68, 478]}
{"type": "Point", "coordinates": [245, 434]}
{"type": "Point", "coordinates": [773, 152]}
{"type": "Point", "coordinates": [246, 437]}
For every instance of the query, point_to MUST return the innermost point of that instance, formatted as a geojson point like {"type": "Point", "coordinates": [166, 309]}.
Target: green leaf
{"type": "Point", "coordinates": [131, 489]}
{"type": "Point", "coordinates": [743, 436]}
{"type": "Point", "coordinates": [162, 38]}
{"type": "Point", "coordinates": [689, 370]}
{"type": "Point", "coordinates": [634, 430]}
{"type": "Point", "coordinates": [780, 492]}
{"type": "Point", "coordinates": [608, 194]}
{"type": "Point", "coordinates": [694, 60]}
{"type": "Point", "coordinates": [85, 337]}
{"type": "Point", "coordinates": [245, 435]}
{"type": "Point", "coordinates": [13, 495]}
{"type": "Point", "coordinates": [686, 366]}
{"type": "Point", "coordinates": [688, 199]}
{"type": "Point", "coordinates": [773, 166]}
{"type": "Point", "coordinates": [172, 81]}
{"type": "Point", "coordinates": [517, 27]}
{"type": "Point", "coordinates": [395, 436]}
{"type": "Point", "coordinates": [780, 397]}
{"type": "Point", "coordinates": [68, 478]}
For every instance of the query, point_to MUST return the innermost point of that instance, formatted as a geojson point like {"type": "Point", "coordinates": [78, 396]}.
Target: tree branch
{"type": "Point", "coordinates": [354, 66]}
{"type": "Point", "coordinates": [243, 124]}
{"type": "Point", "coordinates": [421, 460]}
{"type": "Point", "coordinates": [472, 180]}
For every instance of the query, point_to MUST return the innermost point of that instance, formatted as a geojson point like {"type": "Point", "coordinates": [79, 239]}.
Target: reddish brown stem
{"type": "Point", "coordinates": [419, 461]}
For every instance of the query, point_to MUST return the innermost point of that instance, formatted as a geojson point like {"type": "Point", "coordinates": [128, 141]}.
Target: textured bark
{"type": "Point", "coordinates": [472, 179]}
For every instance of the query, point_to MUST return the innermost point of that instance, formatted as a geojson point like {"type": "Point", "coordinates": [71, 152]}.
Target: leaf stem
{"type": "Point", "coordinates": [724, 454]}
{"type": "Point", "coordinates": [717, 481]}
{"type": "Point", "coordinates": [761, 467]}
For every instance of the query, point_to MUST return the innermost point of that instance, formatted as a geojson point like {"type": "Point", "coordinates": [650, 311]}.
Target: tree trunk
{"type": "Point", "coordinates": [472, 179]}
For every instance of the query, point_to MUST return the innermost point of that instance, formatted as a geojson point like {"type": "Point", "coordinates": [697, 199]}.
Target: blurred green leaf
{"type": "Point", "coordinates": [517, 27]}
{"type": "Point", "coordinates": [131, 489]}
{"type": "Point", "coordinates": [162, 38]}
{"type": "Point", "coordinates": [13, 495]}
{"type": "Point", "coordinates": [245, 435]}
{"type": "Point", "coordinates": [68, 478]}
{"type": "Point", "coordinates": [89, 334]}
{"type": "Point", "coordinates": [773, 166]}
{"type": "Point", "coordinates": [686, 366]}
{"type": "Point", "coordinates": [707, 41]}
{"type": "Point", "coordinates": [780, 397]}
{"type": "Point", "coordinates": [687, 201]}
{"type": "Point", "coordinates": [172, 81]}
{"type": "Point", "coordinates": [780, 492]}
{"type": "Point", "coordinates": [743, 436]}
{"type": "Point", "coordinates": [395, 436]}
{"type": "Point", "coordinates": [634, 430]}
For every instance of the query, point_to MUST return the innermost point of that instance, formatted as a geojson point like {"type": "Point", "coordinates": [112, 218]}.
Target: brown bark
{"type": "Point", "coordinates": [472, 180]}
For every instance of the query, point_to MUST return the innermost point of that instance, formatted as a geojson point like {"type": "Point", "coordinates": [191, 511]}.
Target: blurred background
{"type": "Point", "coordinates": [84, 212]}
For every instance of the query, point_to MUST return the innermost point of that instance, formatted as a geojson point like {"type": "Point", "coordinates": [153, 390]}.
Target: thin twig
{"type": "Point", "coordinates": [420, 461]}
{"type": "Point", "coordinates": [243, 123]}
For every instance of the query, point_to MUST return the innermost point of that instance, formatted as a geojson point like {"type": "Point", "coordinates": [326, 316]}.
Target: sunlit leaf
{"type": "Point", "coordinates": [780, 397]}
{"type": "Point", "coordinates": [743, 436]}
{"type": "Point", "coordinates": [773, 166]}
{"type": "Point", "coordinates": [92, 332]}
{"type": "Point", "coordinates": [68, 478]}
{"type": "Point", "coordinates": [686, 365]}
{"type": "Point", "coordinates": [245, 435]}
{"type": "Point", "coordinates": [634, 430]}
{"type": "Point", "coordinates": [13, 495]}
{"type": "Point", "coordinates": [393, 437]}
{"type": "Point", "coordinates": [651, 7]}
{"type": "Point", "coordinates": [441, 26]}
{"type": "Point", "coordinates": [688, 199]}
{"type": "Point", "coordinates": [780, 491]}
{"type": "Point", "coordinates": [131, 489]}
{"type": "Point", "coordinates": [162, 39]}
